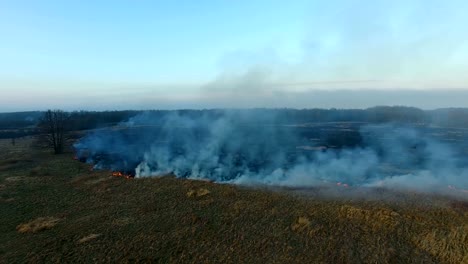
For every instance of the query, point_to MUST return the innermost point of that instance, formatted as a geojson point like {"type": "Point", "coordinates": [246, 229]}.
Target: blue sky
{"type": "Point", "coordinates": [177, 54]}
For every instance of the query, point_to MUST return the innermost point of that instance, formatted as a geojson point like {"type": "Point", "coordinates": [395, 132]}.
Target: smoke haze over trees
{"type": "Point", "coordinates": [389, 147]}
{"type": "Point", "coordinates": [24, 123]}
{"type": "Point", "coordinates": [117, 142]}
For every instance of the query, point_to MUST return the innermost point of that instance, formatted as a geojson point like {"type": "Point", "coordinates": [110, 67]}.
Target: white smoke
{"type": "Point", "coordinates": [257, 147]}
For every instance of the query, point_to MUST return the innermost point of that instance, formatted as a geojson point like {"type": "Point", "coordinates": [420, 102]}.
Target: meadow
{"type": "Point", "coordinates": [56, 209]}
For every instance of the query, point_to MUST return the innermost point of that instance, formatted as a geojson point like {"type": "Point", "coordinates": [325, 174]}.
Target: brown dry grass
{"type": "Point", "coordinates": [88, 238]}
{"type": "Point", "coordinates": [169, 220]}
{"type": "Point", "coordinates": [38, 224]}
{"type": "Point", "coordinates": [198, 193]}
{"type": "Point", "coordinates": [375, 219]}
{"type": "Point", "coordinates": [301, 224]}
{"type": "Point", "coordinates": [123, 221]}
{"type": "Point", "coordinates": [450, 246]}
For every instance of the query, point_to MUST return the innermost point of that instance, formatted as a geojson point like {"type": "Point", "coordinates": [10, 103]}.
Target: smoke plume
{"type": "Point", "coordinates": [259, 147]}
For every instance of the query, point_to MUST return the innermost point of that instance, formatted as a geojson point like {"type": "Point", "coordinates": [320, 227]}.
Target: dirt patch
{"type": "Point", "coordinates": [122, 221]}
{"type": "Point", "coordinates": [302, 223]}
{"type": "Point", "coordinates": [88, 238]}
{"type": "Point", "coordinates": [38, 224]}
{"type": "Point", "coordinates": [198, 193]}
{"type": "Point", "coordinates": [16, 178]}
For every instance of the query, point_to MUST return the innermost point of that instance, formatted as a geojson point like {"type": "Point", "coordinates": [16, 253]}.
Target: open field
{"type": "Point", "coordinates": [55, 209]}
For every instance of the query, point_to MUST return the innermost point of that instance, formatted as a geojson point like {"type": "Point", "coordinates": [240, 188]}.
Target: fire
{"type": "Point", "coordinates": [342, 184]}
{"type": "Point", "coordinates": [120, 174]}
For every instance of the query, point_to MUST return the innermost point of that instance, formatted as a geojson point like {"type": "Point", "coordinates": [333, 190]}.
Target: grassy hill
{"type": "Point", "coordinates": [56, 209]}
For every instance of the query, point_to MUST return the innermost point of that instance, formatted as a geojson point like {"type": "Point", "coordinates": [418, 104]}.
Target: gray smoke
{"type": "Point", "coordinates": [258, 147]}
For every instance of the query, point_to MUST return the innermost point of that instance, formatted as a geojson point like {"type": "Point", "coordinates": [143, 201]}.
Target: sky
{"type": "Point", "coordinates": [106, 55]}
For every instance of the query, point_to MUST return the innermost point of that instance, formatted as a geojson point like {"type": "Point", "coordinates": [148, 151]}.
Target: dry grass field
{"type": "Point", "coordinates": [56, 209]}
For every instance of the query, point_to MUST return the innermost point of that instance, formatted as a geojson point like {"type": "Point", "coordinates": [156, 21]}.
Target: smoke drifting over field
{"type": "Point", "coordinates": [257, 147]}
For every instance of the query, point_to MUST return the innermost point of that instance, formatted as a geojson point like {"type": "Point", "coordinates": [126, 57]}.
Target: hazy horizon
{"type": "Point", "coordinates": [114, 55]}
{"type": "Point", "coordinates": [346, 99]}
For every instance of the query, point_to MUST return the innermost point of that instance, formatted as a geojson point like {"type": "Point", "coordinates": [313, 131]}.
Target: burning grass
{"type": "Point", "coordinates": [122, 174]}
{"type": "Point", "coordinates": [172, 220]}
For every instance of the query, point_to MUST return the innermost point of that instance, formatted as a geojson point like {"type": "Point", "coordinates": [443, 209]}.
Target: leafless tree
{"type": "Point", "coordinates": [53, 127]}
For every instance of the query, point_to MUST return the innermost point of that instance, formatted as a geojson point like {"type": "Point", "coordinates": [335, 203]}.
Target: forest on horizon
{"type": "Point", "coordinates": [19, 124]}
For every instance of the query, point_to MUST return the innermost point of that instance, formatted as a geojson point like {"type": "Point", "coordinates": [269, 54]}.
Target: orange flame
{"type": "Point", "coordinates": [120, 174]}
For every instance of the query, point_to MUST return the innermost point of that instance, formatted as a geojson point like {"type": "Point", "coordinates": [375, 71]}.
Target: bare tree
{"type": "Point", "coordinates": [52, 127]}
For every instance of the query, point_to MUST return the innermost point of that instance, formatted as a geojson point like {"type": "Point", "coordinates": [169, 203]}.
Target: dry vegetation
{"type": "Point", "coordinates": [88, 238]}
{"type": "Point", "coordinates": [38, 224]}
{"type": "Point", "coordinates": [56, 209]}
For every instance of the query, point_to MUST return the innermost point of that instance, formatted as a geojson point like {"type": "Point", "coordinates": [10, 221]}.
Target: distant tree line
{"type": "Point", "coordinates": [20, 124]}
{"type": "Point", "coordinates": [19, 120]}
{"type": "Point", "coordinates": [83, 120]}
